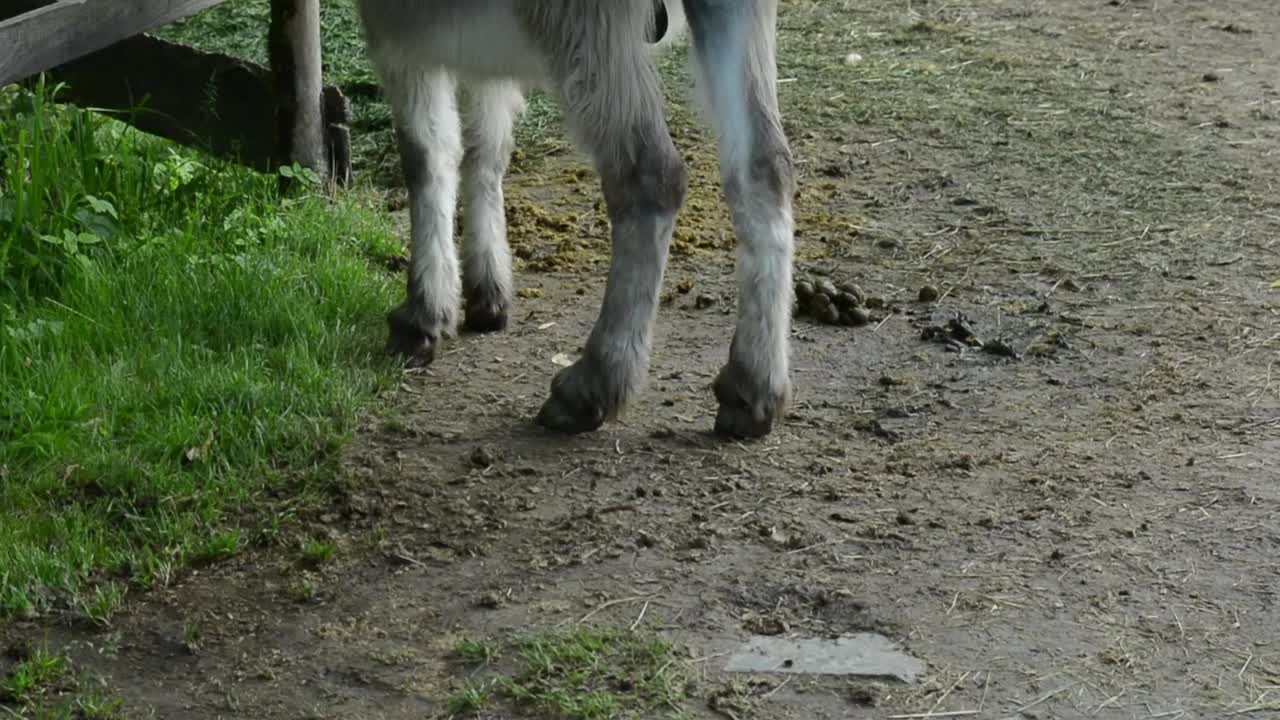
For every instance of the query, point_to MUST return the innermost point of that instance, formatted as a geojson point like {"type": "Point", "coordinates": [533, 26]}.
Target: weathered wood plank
{"type": "Point", "coordinates": [37, 36]}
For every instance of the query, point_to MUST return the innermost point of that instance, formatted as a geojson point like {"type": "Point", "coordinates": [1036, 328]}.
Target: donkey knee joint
{"type": "Point", "coordinates": [774, 170]}
{"type": "Point", "coordinates": [657, 182]}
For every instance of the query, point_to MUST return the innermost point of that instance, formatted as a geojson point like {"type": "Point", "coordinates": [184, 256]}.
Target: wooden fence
{"type": "Point", "coordinates": [261, 116]}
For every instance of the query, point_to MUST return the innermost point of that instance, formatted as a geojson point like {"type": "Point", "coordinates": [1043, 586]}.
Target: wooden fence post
{"type": "Point", "coordinates": [293, 45]}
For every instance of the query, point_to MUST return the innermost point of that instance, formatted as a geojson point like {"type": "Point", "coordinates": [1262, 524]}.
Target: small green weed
{"type": "Point", "coordinates": [219, 547]}
{"type": "Point", "coordinates": [301, 589]}
{"type": "Point", "coordinates": [192, 636]}
{"type": "Point", "coordinates": [469, 700]}
{"type": "Point", "coordinates": [89, 704]}
{"type": "Point", "coordinates": [476, 651]}
{"type": "Point", "coordinates": [44, 686]}
{"type": "Point", "coordinates": [318, 552]}
{"type": "Point", "coordinates": [33, 675]}
{"type": "Point", "coordinates": [103, 603]}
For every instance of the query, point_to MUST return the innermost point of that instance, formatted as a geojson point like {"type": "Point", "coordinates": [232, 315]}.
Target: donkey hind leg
{"type": "Point", "coordinates": [735, 56]}
{"type": "Point", "coordinates": [489, 118]}
{"type": "Point", "coordinates": [429, 135]}
{"type": "Point", "coordinates": [613, 105]}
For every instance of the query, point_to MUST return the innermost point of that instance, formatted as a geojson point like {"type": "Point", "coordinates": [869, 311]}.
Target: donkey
{"type": "Point", "coordinates": [596, 58]}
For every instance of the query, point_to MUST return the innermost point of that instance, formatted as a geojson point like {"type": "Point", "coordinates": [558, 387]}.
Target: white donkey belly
{"type": "Point", "coordinates": [473, 38]}
{"type": "Point", "coordinates": [479, 39]}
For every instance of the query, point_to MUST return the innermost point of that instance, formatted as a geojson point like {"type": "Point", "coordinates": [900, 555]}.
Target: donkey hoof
{"type": "Point", "coordinates": [572, 407]}
{"type": "Point", "coordinates": [413, 345]}
{"type": "Point", "coordinates": [742, 416]}
{"type": "Point", "coordinates": [486, 316]}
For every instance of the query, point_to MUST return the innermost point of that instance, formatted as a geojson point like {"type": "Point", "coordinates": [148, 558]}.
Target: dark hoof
{"type": "Point", "coordinates": [415, 346]}
{"type": "Point", "coordinates": [572, 407]}
{"type": "Point", "coordinates": [741, 417]}
{"type": "Point", "coordinates": [483, 316]}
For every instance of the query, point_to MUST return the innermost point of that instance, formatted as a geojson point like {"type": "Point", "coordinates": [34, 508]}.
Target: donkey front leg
{"type": "Point", "coordinates": [429, 134]}
{"type": "Point", "coordinates": [615, 109]}
{"type": "Point", "coordinates": [734, 50]}
{"type": "Point", "coordinates": [488, 133]}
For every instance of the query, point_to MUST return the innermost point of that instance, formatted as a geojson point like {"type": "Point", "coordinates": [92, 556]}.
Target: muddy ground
{"type": "Point", "coordinates": [1089, 529]}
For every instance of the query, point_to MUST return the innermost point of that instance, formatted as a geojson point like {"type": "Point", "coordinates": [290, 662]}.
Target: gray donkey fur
{"type": "Point", "coordinates": [596, 58]}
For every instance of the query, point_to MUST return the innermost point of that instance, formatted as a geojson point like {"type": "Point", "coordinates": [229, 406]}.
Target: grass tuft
{"type": "Point", "coordinates": [44, 686]}
{"type": "Point", "coordinates": [33, 675]}
{"type": "Point", "coordinates": [103, 602]}
{"type": "Point", "coordinates": [585, 674]}
{"type": "Point", "coordinates": [318, 552]}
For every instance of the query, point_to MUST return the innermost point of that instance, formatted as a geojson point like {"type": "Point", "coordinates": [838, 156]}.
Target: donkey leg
{"type": "Point", "coordinates": [735, 56]}
{"type": "Point", "coordinates": [614, 106]}
{"type": "Point", "coordinates": [429, 135]}
{"type": "Point", "coordinates": [488, 136]}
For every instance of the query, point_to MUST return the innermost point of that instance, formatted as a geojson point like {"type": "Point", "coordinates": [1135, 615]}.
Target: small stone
{"type": "Point", "coordinates": [874, 303]}
{"type": "Point", "coordinates": [928, 294]}
{"type": "Point", "coordinates": [1212, 77]}
{"type": "Point", "coordinates": [852, 58]}
{"type": "Point", "coordinates": [704, 301]}
{"type": "Point", "coordinates": [483, 457]}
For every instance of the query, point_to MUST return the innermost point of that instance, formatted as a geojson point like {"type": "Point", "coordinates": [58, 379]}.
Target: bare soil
{"type": "Point", "coordinates": [1088, 529]}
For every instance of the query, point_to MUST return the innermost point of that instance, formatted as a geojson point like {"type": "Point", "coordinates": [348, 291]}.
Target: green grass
{"type": "Point", "coordinates": [318, 552]}
{"type": "Point", "coordinates": [476, 651]}
{"type": "Point", "coordinates": [587, 673]}
{"type": "Point", "coordinates": [176, 340]}
{"type": "Point", "coordinates": [44, 686]}
{"type": "Point", "coordinates": [33, 675]}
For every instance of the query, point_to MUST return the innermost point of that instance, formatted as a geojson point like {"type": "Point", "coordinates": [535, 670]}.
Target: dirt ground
{"type": "Point", "coordinates": [1088, 529]}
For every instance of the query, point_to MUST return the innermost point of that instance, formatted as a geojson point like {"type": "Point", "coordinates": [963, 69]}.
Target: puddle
{"type": "Point", "coordinates": [864, 654]}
